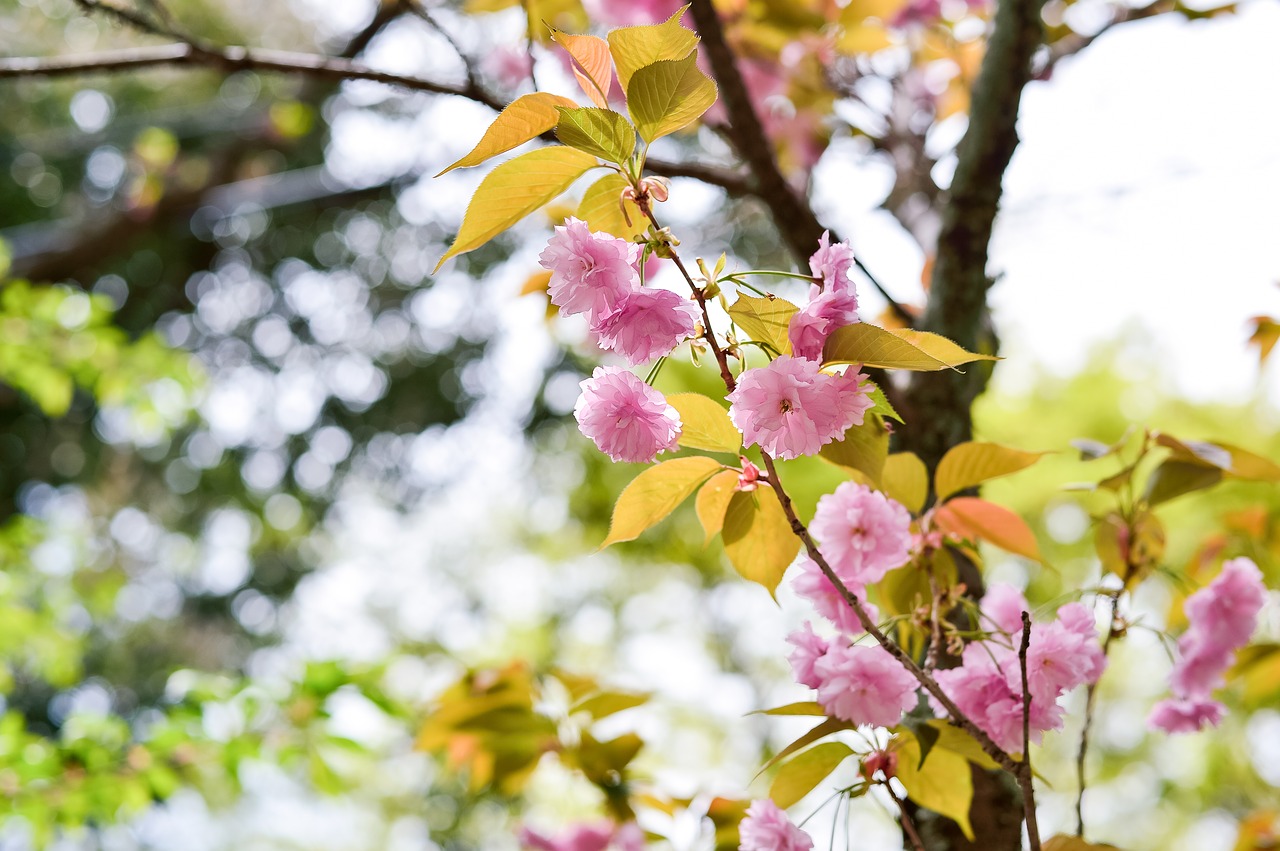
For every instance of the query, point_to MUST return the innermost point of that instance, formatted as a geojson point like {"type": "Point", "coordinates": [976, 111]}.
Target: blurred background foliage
{"type": "Point", "coordinates": [271, 496]}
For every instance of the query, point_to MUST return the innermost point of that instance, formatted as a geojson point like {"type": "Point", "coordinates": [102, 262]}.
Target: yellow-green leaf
{"type": "Point", "coordinates": [515, 189]}
{"type": "Point", "coordinates": [798, 777]}
{"type": "Point", "coordinates": [655, 493]}
{"type": "Point", "coordinates": [706, 425]}
{"type": "Point", "coordinates": [1173, 478]}
{"type": "Point", "coordinates": [957, 740]}
{"type": "Point", "coordinates": [969, 464]}
{"type": "Point", "coordinates": [1254, 468]}
{"type": "Point", "coordinates": [527, 117]}
{"type": "Point", "coordinates": [713, 502]}
{"type": "Point", "coordinates": [1063, 842]}
{"type": "Point", "coordinates": [757, 537]}
{"type": "Point", "coordinates": [827, 727]}
{"type": "Point", "coordinates": [872, 345]}
{"type": "Point", "coordinates": [977, 519]}
{"type": "Point", "coordinates": [863, 448]}
{"type": "Point", "coordinates": [906, 479]}
{"type": "Point", "coordinates": [668, 95]}
{"type": "Point", "coordinates": [808, 707]}
{"type": "Point", "coordinates": [635, 47]}
{"type": "Point", "coordinates": [592, 65]}
{"type": "Point", "coordinates": [943, 784]}
{"type": "Point", "coordinates": [765, 320]}
{"type": "Point", "coordinates": [600, 132]}
{"type": "Point", "coordinates": [602, 206]}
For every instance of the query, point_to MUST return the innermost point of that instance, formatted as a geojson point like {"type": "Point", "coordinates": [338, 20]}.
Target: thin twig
{"type": "Point", "coordinates": [1024, 775]}
{"type": "Point", "coordinates": [1090, 702]}
{"type": "Point", "coordinates": [420, 11]}
{"type": "Point", "coordinates": [908, 826]}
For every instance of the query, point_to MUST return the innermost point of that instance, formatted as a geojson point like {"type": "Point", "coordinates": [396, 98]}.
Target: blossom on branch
{"type": "Point", "coordinates": [767, 828]}
{"type": "Point", "coordinates": [626, 418]}
{"type": "Point", "coordinates": [590, 272]}
{"type": "Point", "coordinates": [864, 684]}
{"type": "Point", "coordinates": [791, 408]}
{"type": "Point", "coordinates": [603, 836]}
{"type": "Point", "coordinates": [646, 324]}
{"type": "Point", "coordinates": [831, 264]}
{"type": "Point", "coordinates": [825, 312]}
{"type": "Point", "coordinates": [862, 533]}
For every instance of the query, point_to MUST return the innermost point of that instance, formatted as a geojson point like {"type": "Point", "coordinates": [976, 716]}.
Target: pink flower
{"type": "Point", "coordinates": [767, 828]}
{"type": "Point", "coordinates": [1185, 716]}
{"type": "Point", "coordinates": [590, 272]}
{"type": "Point", "coordinates": [1228, 609]}
{"type": "Point", "coordinates": [825, 312]}
{"type": "Point", "coordinates": [791, 408]}
{"type": "Point", "coordinates": [601, 836]}
{"type": "Point", "coordinates": [627, 419]}
{"type": "Point", "coordinates": [646, 324]}
{"type": "Point", "coordinates": [813, 585]}
{"type": "Point", "coordinates": [1004, 605]}
{"type": "Point", "coordinates": [831, 263]}
{"type": "Point", "coordinates": [627, 13]}
{"type": "Point", "coordinates": [864, 685]}
{"type": "Point", "coordinates": [809, 648]}
{"type": "Point", "coordinates": [862, 533]}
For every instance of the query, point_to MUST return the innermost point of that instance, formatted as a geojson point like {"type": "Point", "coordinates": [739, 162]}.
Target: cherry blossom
{"type": "Point", "coordinates": [862, 533]}
{"type": "Point", "coordinates": [767, 828]}
{"type": "Point", "coordinates": [626, 418]}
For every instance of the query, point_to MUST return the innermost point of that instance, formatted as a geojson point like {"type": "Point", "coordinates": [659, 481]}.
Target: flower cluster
{"type": "Point", "coordinates": [861, 684]}
{"type": "Point", "coordinates": [599, 275]}
{"type": "Point", "coordinates": [987, 687]}
{"type": "Point", "coordinates": [604, 836]}
{"type": "Point", "coordinates": [767, 828]}
{"type": "Point", "coordinates": [626, 418]}
{"type": "Point", "coordinates": [790, 407]}
{"type": "Point", "coordinates": [1221, 619]}
{"type": "Point", "coordinates": [862, 533]}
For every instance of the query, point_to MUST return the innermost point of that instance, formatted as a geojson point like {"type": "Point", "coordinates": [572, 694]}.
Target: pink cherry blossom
{"type": "Point", "coordinates": [791, 408]}
{"type": "Point", "coordinates": [626, 418]}
{"type": "Point", "coordinates": [1185, 716]}
{"type": "Point", "coordinates": [862, 533]}
{"type": "Point", "coordinates": [809, 648]}
{"type": "Point", "coordinates": [1228, 608]}
{"type": "Point", "coordinates": [831, 263]}
{"type": "Point", "coordinates": [1003, 605]}
{"type": "Point", "coordinates": [811, 584]}
{"type": "Point", "coordinates": [646, 324]}
{"type": "Point", "coordinates": [863, 684]}
{"type": "Point", "coordinates": [825, 312]}
{"type": "Point", "coordinates": [628, 13]}
{"type": "Point", "coordinates": [602, 836]}
{"type": "Point", "coordinates": [767, 828]}
{"type": "Point", "coordinates": [590, 272]}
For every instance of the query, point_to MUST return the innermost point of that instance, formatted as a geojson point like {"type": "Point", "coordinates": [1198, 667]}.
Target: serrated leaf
{"type": "Point", "coordinates": [602, 206]}
{"type": "Point", "coordinates": [515, 189]}
{"type": "Point", "coordinates": [863, 448]}
{"type": "Point", "coordinates": [713, 502]}
{"type": "Point", "coordinates": [635, 47]}
{"type": "Point", "coordinates": [600, 132]}
{"type": "Point", "coordinates": [874, 346]}
{"type": "Point", "coordinates": [668, 95]}
{"type": "Point", "coordinates": [880, 403]}
{"type": "Point", "coordinates": [821, 731]}
{"type": "Point", "coordinates": [957, 740]}
{"type": "Point", "coordinates": [765, 320]}
{"type": "Point", "coordinates": [798, 777]}
{"type": "Point", "coordinates": [655, 493]}
{"type": "Point", "coordinates": [977, 519]}
{"type": "Point", "coordinates": [1063, 842]}
{"type": "Point", "coordinates": [757, 537]}
{"type": "Point", "coordinates": [906, 479]}
{"type": "Point", "coordinates": [527, 117]}
{"type": "Point", "coordinates": [943, 783]}
{"type": "Point", "coordinates": [705, 424]}
{"type": "Point", "coordinates": [1174, 478]}
{"type": "Point", "coordinates": [970, 464]}
{"type": "Point", "coordinates": [592, 65]}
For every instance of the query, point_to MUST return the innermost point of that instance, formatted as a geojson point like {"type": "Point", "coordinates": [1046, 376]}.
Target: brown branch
{"type": "Point", "coordinates": [1024, 775]}
{"type": "Point", "coordinates": [1071, 44]}
{"type": "Point", "coordinates": [1113, 632]}
{"type": "Point", "coordinates": [908, 826]}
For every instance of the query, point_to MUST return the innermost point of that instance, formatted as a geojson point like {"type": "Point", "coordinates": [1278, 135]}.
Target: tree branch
{"type": "Point", "coordinates": [1025, 778]}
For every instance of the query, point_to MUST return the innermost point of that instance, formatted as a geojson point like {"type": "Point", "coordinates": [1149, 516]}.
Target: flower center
{"type": "Point", "coordinates": [784, 406]}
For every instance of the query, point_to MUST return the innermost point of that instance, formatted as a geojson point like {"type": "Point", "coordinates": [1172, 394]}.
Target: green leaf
{"type": "Point", "coordinates": [1254, 468]}
{"type": "Point", "coordinates": [765, 320]}
{"type": "Point", "coordinates": [713, 501]}
{"type": "Point", "coordinates": [970, 464]}
{"type": "Point", "coordinates": [957, 740]}
{"type": "Point", "coordinates": [871, 345]}
{"type": "Point", "coordinates": [942, 782]}
{"type": "Point", "coordinates": [977, 519]}
{"type": "Point", "coordinates": [906, 479]}
{"type": "Point", "coordinates": [798, 777]}
{"type": "Point", "coordinates": [880, 403]}
{"type": "Point", "coordinates": [525, 118]}
{"type": "Point", "coordinates": [635, 47]}
{"type": "Point", "coordinates": [706, 425]}
{"type": "Point", "coordinates": [600, 132]}
{"type": "Point", "coordinates": [592, 65]}
{"type": "Point", "coordinates": [808, 707]}
{"type": "Point", "coordinates": [668, 95]}
{"type": "Point", "coordinates": [605, 703]}
{"type": "Point", "coordinates": [757, 537]}
{"type": "Point", "coordinates": [1173, 478]}
{"type": "Point", "coordinates": [515, 189]}
{"type": "Point", "coordinates": [602, 205]}
{"type": "Point", "coordinates": [863, 448]}
{"type": "Point", "coordinates": [821, 731]}
{"type": "Point", "coordinates": [925, 734]}
{"type": "Point", "coordinates": [655, 493]}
